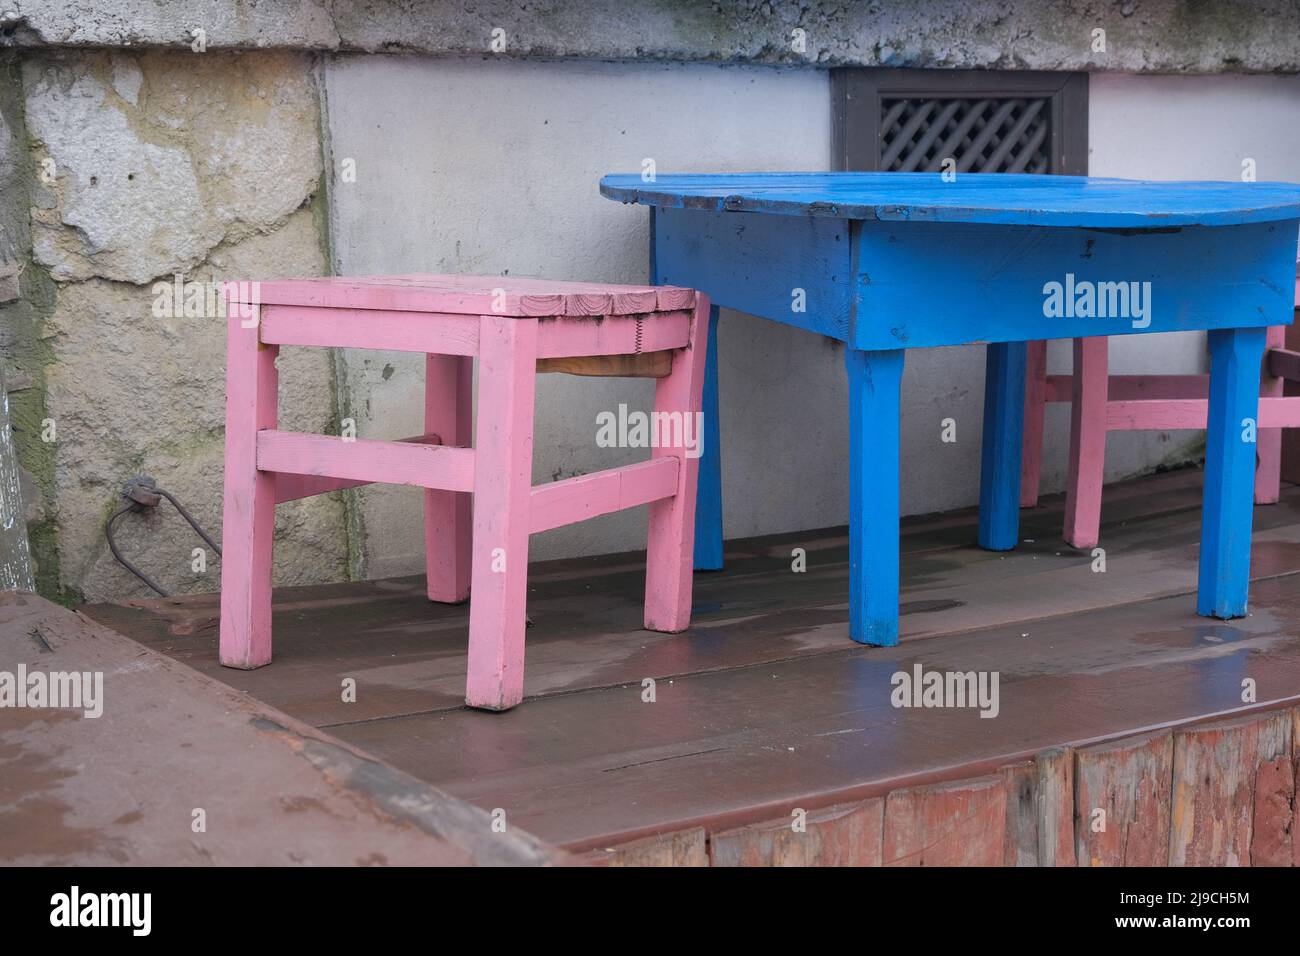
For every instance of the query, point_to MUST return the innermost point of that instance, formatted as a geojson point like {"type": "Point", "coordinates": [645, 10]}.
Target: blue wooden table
{"type": "Point", "coordinates": [885, 262]}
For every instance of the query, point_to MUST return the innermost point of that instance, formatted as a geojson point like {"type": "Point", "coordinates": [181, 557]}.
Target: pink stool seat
{"type": "Point", "coordinates": [514, 327]}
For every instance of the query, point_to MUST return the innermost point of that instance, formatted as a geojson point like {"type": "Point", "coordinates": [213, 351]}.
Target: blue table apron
{"type": "Point", "coordinates": [885, 262]}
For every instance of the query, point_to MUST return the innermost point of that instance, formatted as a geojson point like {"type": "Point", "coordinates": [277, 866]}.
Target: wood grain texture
{"type": "Point", "coordinates": [503, 450]}
{"type": "Point", "coordinates": [589, 496]}
{"type": "Point", "coordinates": [948, 824]}
{"type": "Point", "coordinates": [1216, 770]}
{"type": "Point", "coordinates": [681, 848]}
{"type": "Point", "coordinates": [849, 835]}
{"type": "Point", "coordinates": [670, 540]}
{"type": "Point", "coordinates": [472, 295]}
{"type": "Point", "coordinates": [1021, 846]}
{"type": "Point", "coordinates": [645, 365]}
{"type": "Point", "coordinates": [1130, 782]}
{"type": "Point", "coordinates": [248, 501]}
{"type": "Point", "coordinates": [366, 460]}
{"type": "Point", "coordinates": [1054, 806]}
{"type": "Point", "coordinates": [970, 197]}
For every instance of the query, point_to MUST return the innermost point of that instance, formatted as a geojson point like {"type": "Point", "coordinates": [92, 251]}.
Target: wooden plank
{"type": "Point", "coordinates": [1031, 458]}
{"type": "Point", "coordinates": [602, 492]}
{"type": "Point", "coordinates": [366, 460]}
{"type": "Point", "coordinates": [1184, 413]}
{"type": "Point", "coordinates": [1230, 442]}
{"type": "Point", "coordinates": [913, 298]}
{"type": "Point", "coordinates": [442, 333]}
{"type": "Point", "coordinates": [1040, 810]}
{"type": "Point", "coordinates": [613, 335]}
{"type": "Point", "coordinates": [587, 612]}
{"type": "Point", "coordinates": [849, 835]}
{"type": "Point", "coordinates": [875, 380]}
{"type": "Point", "coordinates": [970, 198]}
{"type": "Point", "coordinates": [644, 365]}
{"type": "Point", "coordinates": [1054, 806]}
{"type": "Point", "coordinates": [248, 499]}
{"type": "Point", "coordinates": [1215, 776]}
{"type": "Point", "coordinates": [273, 791]}
{"type": "Point", "coordinates": [1019, 780]}
{"type": "Point", "coordinates": [1272, 833]}
{"type": "Point", "coordinates": [507, 296]}
{"type": "Point", "coordinates": [1004, 409]}
{"type": "Point", "coordinates": [1087, 465]}
{"type": "Point", "coordinates": [1122, 801]}
{"type": "Point", "coordinates": [291, 487]}
{"type": "Point", "coordinates": [708, 495]}
{"type": "Point", "coordinates": [1124, 388]}
{"type": "Point", "coordinates": [681, 848]}
{"type": "Point", "coordinates": [948, 824]}
{"type": "Point", "coordinates": [1283, 363]}
{"type": "Point", "coordinates": [795, 271]}
{"type": "Point", "coordinates": [503, 446]}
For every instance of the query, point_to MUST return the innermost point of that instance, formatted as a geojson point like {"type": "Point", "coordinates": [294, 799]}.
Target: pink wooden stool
{"type": "Point", "coordinates": [1101, 403]}
{"type": "Point", "coordinates": [515, 327]}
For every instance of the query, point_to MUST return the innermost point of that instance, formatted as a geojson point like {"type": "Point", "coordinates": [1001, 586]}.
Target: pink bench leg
{"type": "Point", "coordinates": [1091, 383]}
{"type": "Point", "coordinates": [670, 547]}
{"type": "Point", "coordinates": [1031, 456]}
{"type": "Point", "coordinates": [503, 467]}
{"type": "Point", "coordinates": [448, 402]}
{"type": "Point", "coordinates": [1268, 471]}
{"type": "Point", "coordinates": [248, 515]}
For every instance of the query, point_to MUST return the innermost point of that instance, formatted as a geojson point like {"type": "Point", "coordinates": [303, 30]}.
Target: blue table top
{"type": "Point", "coordinates": [1006, 198]}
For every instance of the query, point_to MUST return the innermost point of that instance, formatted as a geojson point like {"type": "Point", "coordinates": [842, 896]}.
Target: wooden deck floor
{"type": "Point", "coordinates": [766, 704]}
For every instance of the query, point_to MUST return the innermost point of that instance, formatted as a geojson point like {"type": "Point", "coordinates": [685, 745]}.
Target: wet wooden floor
{"type": "Point", "coordinates": [765, 703]}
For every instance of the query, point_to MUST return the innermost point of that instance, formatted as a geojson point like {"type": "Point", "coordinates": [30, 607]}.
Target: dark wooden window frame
{"type": "Point", "coordinates": [856, 94]}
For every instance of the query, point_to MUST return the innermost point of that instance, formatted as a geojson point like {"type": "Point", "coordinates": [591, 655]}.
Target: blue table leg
{"type": "Point", "coordinates": [1230, 443]}
{"type": "Point", "coordinates": [708, 496]}
{"type": "Point", "coordinates": [874, 380]}
{"type": "Point", "coordinates": [1004, 420]}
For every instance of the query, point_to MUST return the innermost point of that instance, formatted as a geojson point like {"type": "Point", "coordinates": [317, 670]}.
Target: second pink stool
{"type": "Point", "coordinates": [515, 327]}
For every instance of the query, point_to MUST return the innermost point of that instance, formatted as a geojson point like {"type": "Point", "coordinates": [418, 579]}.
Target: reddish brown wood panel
{"type": "Point", "coordinates": [1216, 767]}
{"type": "Point", "coordinates": [683, 848]}
{"type": "Point", "coordinates": [948, 824]}
{"type": "Point", "coordinates": [1272, 831]}
{"type": "Point", "coordinates": [836, 836]}
{"type": "Point", "coordinates": [1122, 797]}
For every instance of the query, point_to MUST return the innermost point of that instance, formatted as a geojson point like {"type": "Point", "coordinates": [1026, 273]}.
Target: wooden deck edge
{"type": "Point", "coordinates": [1213, 791]}
{"type": "Point", "coordinates": [275, 790]}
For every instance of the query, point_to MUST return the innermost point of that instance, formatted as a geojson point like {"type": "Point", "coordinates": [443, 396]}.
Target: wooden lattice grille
{"type": "Point", "coordinates": [990, 135]}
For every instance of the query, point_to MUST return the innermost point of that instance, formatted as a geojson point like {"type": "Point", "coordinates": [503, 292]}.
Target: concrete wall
{"type": "Point", "coordinates": [489, 165]}
{"type": "Point", "coordinates": [141, 166]}
{"type": "Point", "coordinates": [120, 168]}
{"type": "Point", "coordinates": [1183, 36]}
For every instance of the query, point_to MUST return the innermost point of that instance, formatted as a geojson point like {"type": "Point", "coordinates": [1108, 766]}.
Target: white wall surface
{"type": "Point", "coordinates": [491, 166]}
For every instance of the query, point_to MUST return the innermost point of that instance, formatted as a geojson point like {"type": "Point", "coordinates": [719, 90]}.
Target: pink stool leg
{"type": "Point", "coordinates": [503, 479]}
{"type": "Point", "coordinates": [248, 512]}
{"type": "Point", "coordinates": [1091, 383]}
{"type": "Point", "coordinates": [1268, 470]}
{"type": "Point", "coordinates": [1031, 456]}
{"type": "Point", "coordinates": [670, 547]}
{"type": "Point", "coordinates": [448, 402]}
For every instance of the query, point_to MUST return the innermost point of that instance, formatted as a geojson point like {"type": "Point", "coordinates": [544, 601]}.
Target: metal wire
{"type": "Point", "coordinates": [136, 506]}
